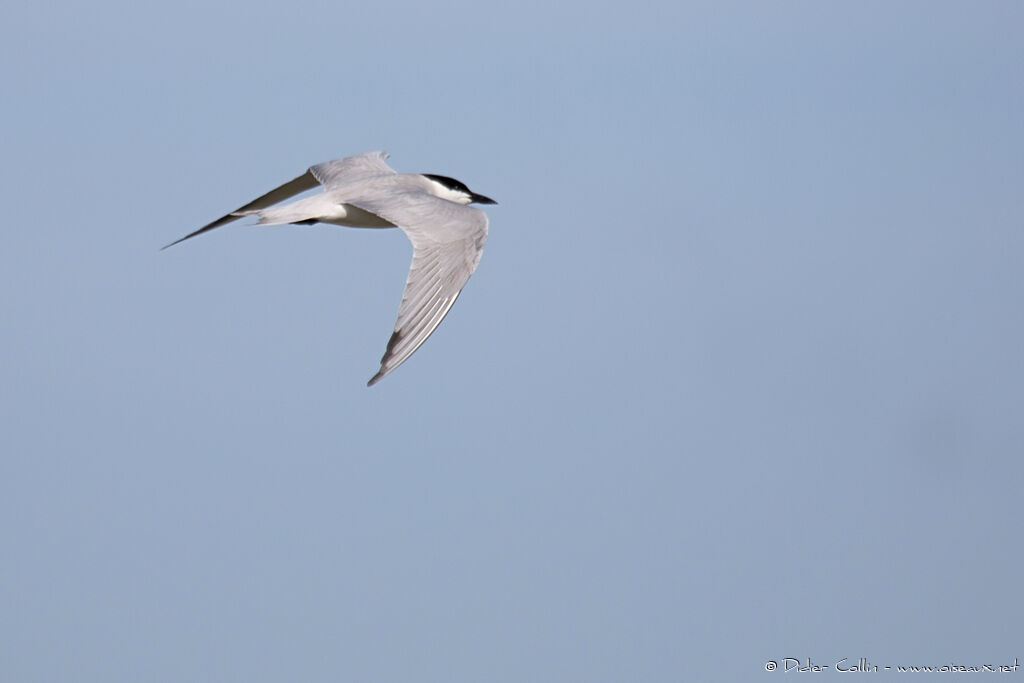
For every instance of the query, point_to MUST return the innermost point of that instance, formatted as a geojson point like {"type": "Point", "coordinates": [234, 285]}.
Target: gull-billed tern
{"type": "Point", "coordinates": [362, 191]}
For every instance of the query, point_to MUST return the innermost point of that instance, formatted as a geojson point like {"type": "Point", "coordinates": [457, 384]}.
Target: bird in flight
{"type": "Point", "coordinates": [362, 191]}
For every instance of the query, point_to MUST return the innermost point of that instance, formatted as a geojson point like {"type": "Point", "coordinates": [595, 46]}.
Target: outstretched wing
{"type": "Point", "coordinates": [447, 240]}
{"type": "Point", "coordinates": [330, 174]}
{"type": "Point", "coordinates": [304, 182]}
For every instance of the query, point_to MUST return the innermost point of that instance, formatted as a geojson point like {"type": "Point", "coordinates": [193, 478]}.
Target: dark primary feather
{"type": "Point", "coordinates": [304, 182]}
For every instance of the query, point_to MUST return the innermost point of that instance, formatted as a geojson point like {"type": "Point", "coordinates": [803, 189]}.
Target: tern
{"type": "Point", "coordinates": [362, 191]}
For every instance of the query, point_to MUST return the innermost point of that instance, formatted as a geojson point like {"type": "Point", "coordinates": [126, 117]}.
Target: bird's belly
{"type": "Point", "coordinates": [354, 217]}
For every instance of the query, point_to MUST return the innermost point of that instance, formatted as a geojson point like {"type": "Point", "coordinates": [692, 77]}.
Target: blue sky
{"type": "Point", "coordinates": [738, 378]}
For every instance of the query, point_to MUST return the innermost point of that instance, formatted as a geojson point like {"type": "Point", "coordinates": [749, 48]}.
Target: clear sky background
{"type": "Point", "coordinates": [739, 376]}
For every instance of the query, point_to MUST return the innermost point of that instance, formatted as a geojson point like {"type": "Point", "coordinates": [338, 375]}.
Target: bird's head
{"type": "Point", "coordinates": [455, 191]}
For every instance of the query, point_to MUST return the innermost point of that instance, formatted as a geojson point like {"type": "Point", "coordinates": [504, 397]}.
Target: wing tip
{"type": "Point", "coordinates": [384, 369]}
{"type": "Point", "coordinates": [177, 241]}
